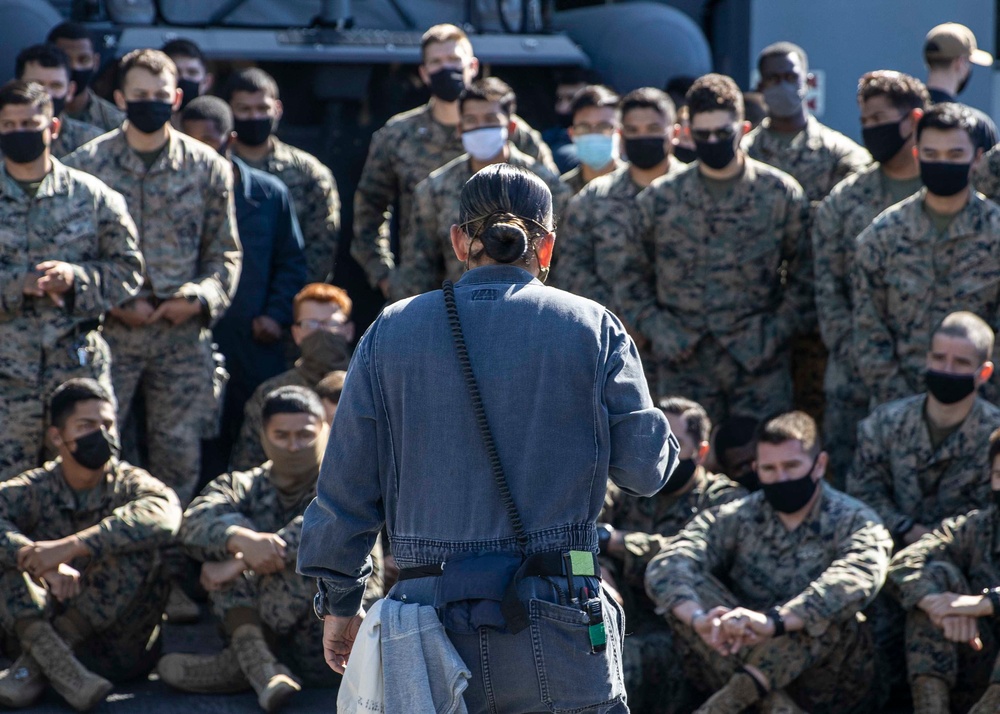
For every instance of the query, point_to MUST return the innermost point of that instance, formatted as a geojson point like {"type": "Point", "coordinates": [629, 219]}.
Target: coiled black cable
{"type": "Point", "coordinates": [480, 411]}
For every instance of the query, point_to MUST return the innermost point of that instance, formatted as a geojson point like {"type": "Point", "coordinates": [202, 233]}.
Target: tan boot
{"type": "Point", "coordinates": [738, 694]}
{"type": "Point", "coordinates": [203, 674]}
{"type": "Point", "coordinates": [930, 695]}
{"type": "Point", "coordinates": [180, 609]}
{"type": "Point", "coordinates": [272, 681]}
{"type": "Point", "coordinates": [989, 703]}
{"type": "Point", "coordinates": [778, 702]}
{"type": "Point", "coordinates": [22, 684]}
{"type": "Point", "coordinates": [81, 688]}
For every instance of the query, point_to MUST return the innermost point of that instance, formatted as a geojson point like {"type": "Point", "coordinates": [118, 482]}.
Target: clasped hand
{"type": "Point", "coordinates": [727, 631]}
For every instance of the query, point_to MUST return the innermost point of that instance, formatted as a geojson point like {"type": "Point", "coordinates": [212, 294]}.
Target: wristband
{"type": "Point", "coordinates": [994, 597]}
{"type": "Point", "coordinates": [779, 622]}
{"type": "Point", "coordinates": [604, 531]}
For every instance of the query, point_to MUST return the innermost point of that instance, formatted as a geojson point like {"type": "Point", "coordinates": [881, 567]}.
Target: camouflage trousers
{"type": "Point", "coordinates": [172, 367]}
{"type": "Point", "coordinates": [24, 407]}
{"type": "Point", "coordinates": [846, 405]}
{"type": "Point", "coordinates": [714, 379]}
{"type": "Point", "coordinates": [282, 603]}
{"type": "Point", "coordinates": [830, 673]}
{"type": "Point", "coordinates": [654, 673]}
{"type": "Point", "coordinates": [809, 360]}
{"type": "Point", "coordinates": [928, 653]}
{"type": "Point", "coordinates": [117, 613]}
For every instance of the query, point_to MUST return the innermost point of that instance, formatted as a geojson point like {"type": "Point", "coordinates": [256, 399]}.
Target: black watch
{"type": "Point", "coordinates": [993, 595]}
{"type": "Point", "coordinates": [604, 532]}
{"type": "Point", "coordinates": [319, 603]}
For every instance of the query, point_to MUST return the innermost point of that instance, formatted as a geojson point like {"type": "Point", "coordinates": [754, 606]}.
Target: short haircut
{"type": "Point", "coordinates": [209, 108]}
{"type": "Point", "coordinates": [331, 386]}
{"type": "Point", "coordinates": [947, 116]}
{"type": "Point", "coordinates": [251, 80]}
{"type": "Point", "coordinates": [994, 447]}
{"type": "Point", "coordinates": [439, 34]}
{"type": "Point", "coordinates": [70, 31]}
{"type": "Point", "coordinates": [593, 95]}
{"type": "Point", "coordinates": [48, 56]}
{"type": "Point", "coordinates": [734, 432]}
{"type": "Point", "coordinates": [67, 395]}
{"type": "Point", "coordinates": [780, 49]}
{"type": "Point", "coordinates": [695, 418]}
{"type": "Point", "coordinates": [182, 47]}
{"type": "Point", "coordinates": [971, 327]}
{"type": "Point", "coordinates": [153, 61]}
{"type": "Point", "coordinates": [30, 94]}
{"type": "Point", "coordinates": [325, 293]}
{"type": "Point", "coordinates": [490, 89]}
{"type": "Point", "coordinates": [903, 91]}
{"type": "Point", "coordinates": [649, 98]}
{"type": "Point", "coordinates": [715, 92]}
{"type": "Point", "coordinates": [291, 400]}
{"type": "Point", "coordinates": [791, 426]}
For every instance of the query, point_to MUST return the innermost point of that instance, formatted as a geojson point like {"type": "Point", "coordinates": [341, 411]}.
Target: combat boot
{"type": "Point", "coordinates": [930, 695]}
{"type": "Point", "coordinates": [22, 684]}
{"type": "Point", "coordinates": [180, 609]}
{"type": "Point", "coordinates": [778, 702]}
{"type": "Point", "coordinates": [203, 674]}
{"type": "Point", "coordinates": [272, 681]}
{"type": "Point", "coordinates": [740, 692]}
{"type": "Point", "coordinates": [989, 703]}
{"type": "Point", "coordinates": [81, 688]}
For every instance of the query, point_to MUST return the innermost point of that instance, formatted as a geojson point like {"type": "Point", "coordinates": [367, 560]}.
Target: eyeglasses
{"type": "Point", "coordinates": [723, 133]}
{"type": "Point", "coordinates": [602, 128]}
{"type": "Point", "coordinates": [331, 325]}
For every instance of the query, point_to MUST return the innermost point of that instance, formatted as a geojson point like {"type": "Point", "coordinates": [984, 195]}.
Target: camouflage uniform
{"type": "Point", "coordinates": [819, 158]}
{"type": "Point", "coordinates": [654, 678]}
{"type": "Point", "coordinates": [72, 135]}
{"type": "Point", "coordinates": [899, 473]}
{"type": "Point", "coordinates": [283, 601]}
{"type": "Point", "coordinates": [907, 278]}
{"type": "Point", "coordinates": [183, 206]}
{"type": "Point", "coordinates": [959, 557]}
{"type": "Point", "coordinates": [841, 217]}
{"type": "Point", "coordinates": [573, 179]}
{"type": "Point", "coordinates": [426, 242]}
{"type": "Point", "coordinates": [726, 279]}
{"type": "Point", "coordinates": [124, 522]}
{"type": "Point", "coordinates": [99, 112]}
{"type": "Point", "coordinates": [75, 218]}
{"type": "Point", "coordinates": [316, 201]}
{"type": "Point", "coordinates": [986, 174]}
{"type": "Point", "coordinates": [402, 154]}
{"type": "Point", "coordinates": [825, 571]}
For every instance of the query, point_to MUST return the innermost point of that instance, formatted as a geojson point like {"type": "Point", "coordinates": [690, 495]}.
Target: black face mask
{"type": "Point", "coordinates": [22, 147]}
{"type": "Point", "coordinates": [883, 141]}
{"type": "Point", "coordinates": [58, 104]}
{"type": "Point", "coordinates": [190, 89]}
{"type": "Point", "coordinates": [646, 152]}
{"type": "Point", "coordinates": [96, 449]}
{"type": "Point", "coordinates": [253, 132]}
{"type": "Point", "coordinates": [944, 179]}
{"type": "Point", "coordinates": [791, 496]}
{"type": "Point", "coordinates": [750, 481]}
{"type": "Point", "coordinates": [716, 155]}
{"type": "Point", "coordinates": [684, 154]}
{"type": "Point", "coordinates": [82, 78]}
{"type": "Point", "coordinates": [949, 388]}
{"type": "Point", "coordinates": [681, 476]}
{"type": "Point", "coordinates": [447, 84]}
{"type": "Point", "coordinates": [149, 116]}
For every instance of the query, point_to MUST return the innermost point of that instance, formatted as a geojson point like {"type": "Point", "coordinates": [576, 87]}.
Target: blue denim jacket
{"type": "Point", "coordinates": [567, 403]}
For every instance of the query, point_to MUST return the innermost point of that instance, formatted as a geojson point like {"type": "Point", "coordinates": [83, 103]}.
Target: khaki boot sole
{"type": "Point", "coordinates": [83, 703]}
{"type": "Point", "coordinates": [280, 688]}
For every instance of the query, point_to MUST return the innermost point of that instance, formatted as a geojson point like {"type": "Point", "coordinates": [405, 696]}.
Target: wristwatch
{"type": "Point", "coordinates": [320, 602]}
{"type": "Point", "coordinates": [604, 532]}
{"type": "Point", "coordinates": [993, 595]}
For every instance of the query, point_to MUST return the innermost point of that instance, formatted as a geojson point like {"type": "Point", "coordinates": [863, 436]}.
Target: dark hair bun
{"type": "Point", "coordinates": [504, 242]}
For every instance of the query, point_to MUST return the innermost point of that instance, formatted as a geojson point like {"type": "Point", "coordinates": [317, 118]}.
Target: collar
{"type": "Point", "coordinates": [55, 182]}
{"type": "Point", "coordinates": [171, 158]}
{"type": "Point", "coordinates": [82, 501]}
{"type": "Point", "coordinates": [487, 274]}
{"type": "Point", "coordinates": [245, 178]}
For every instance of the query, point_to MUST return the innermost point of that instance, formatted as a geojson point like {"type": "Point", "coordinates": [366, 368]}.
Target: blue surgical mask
{"type": "Point", "coordinates": [485, 143]}
{"type": "Point", "coordinates": [595, 150]}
